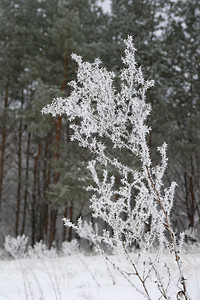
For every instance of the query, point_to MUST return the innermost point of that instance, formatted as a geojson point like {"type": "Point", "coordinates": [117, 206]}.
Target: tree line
{"type": "Point", "coordinates": [43, 173]}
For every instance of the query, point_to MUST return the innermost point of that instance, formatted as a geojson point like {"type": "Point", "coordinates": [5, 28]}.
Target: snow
{"type": "Point", "coordinates": [79, 276]}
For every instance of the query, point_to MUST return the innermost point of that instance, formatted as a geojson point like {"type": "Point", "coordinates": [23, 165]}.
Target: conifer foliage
{"type": "Point", "coordinates": [136, 211]}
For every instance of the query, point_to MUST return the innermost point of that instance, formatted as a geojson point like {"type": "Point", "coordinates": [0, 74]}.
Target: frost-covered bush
{"type": "Point", "coordinates": [133, 202]}
{"type": "Point", "coordinates": [70, 248]}
{"type": "Point", "coordinates": [16, 247]}
{"type": "Point", "coordinates": [40, 250]}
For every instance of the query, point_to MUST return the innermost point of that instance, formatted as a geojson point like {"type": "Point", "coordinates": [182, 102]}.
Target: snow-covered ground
{"type": "Point", "coordinates": [78, 276]}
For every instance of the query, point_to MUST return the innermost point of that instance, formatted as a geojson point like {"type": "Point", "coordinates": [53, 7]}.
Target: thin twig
{"type": "Point", "coordinates": [177, 258]}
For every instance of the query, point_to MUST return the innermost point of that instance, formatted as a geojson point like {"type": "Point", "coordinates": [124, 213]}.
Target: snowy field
{"type": "Point", "coordinates": [79, 276]}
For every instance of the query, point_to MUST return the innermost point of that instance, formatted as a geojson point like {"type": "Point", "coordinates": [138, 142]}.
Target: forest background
{"type": "Point", "coordinates": [43, 174]}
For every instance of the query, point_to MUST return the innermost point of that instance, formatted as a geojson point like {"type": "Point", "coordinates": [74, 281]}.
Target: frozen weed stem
{"type": "Point", "coordinates": [137, 209]}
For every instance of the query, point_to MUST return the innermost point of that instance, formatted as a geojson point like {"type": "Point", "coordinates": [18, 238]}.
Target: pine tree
{"type": "Point", "coordinates": [37, 38]}
{"type": "Point", "coordinates": [180, 53]}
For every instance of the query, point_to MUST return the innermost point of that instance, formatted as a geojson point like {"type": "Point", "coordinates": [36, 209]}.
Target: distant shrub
{"type": "Point", "coordinates": [69, 248]}
{"type": "Point", "coordinates": [40, 250]}
{"type": "Point", "coordinates": [16, 247]}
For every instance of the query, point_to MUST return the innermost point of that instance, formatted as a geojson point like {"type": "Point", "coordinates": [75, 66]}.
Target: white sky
{"type": "Point", "coordinates": [106, 5]}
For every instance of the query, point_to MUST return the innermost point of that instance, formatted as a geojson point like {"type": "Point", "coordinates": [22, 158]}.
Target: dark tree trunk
{"type": "Point", "coordinates": [192, 196]}
{"type": "Point", "coordinates": [3, 143]}
{"type": "Point", "coordinates": [45, 207]}
{"type": "Point", "coordinates": [19, 154]}
{"type": "Point", "coordinates": [26, 184]}
{"type": "Point", "coordinates": [46, 223]}
{"type": "Point", "coordinates": [64, 228]}
{"type": "Point", "coordinates": [58, 126]}
{"type": "Point", "coordinates": [33, 205]}
{"type": "Point", "coordinates": [54, 210]}
{"type": "Point", "coordinates": [53, 219]}
{"type": "Point", "coordinates": [71, 210]}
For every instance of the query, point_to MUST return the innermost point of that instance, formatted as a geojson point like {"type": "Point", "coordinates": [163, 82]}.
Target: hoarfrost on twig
{"type": "Point", "coordinates": [137, 206]}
